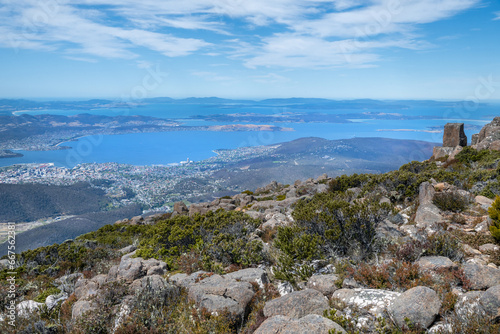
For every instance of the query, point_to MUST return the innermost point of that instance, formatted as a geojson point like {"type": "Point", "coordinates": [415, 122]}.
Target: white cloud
{"type": "Point", "coordinates": [497, 14]}
{"type": "Point", "coordinates": [300, 33]}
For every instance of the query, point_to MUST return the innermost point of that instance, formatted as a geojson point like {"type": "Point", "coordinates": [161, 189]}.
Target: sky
{"type": "Point", "coordinates": [256, 49]}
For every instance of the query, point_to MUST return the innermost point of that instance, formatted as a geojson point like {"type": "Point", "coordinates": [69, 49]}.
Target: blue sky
{"type": "Point", "coordinates": [341, 49]}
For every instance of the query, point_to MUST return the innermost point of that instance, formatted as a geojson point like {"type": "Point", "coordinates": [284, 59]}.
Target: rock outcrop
{"type": "Point", "coordinates": [420, 305]}
{"type": "Point", "coordinates": [312, 323]}
{"type": "Point", "coordinates": [488, 137]}
{"type": "Point", "coordinates": [297, 304]}
{"type": "Point", "coordinates": [454, 135]}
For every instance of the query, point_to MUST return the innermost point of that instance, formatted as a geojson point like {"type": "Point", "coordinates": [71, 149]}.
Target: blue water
{"type": "Point", "coordinates": [173, 147]}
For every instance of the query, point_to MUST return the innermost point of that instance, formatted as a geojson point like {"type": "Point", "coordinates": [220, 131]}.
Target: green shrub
{"type": "Point", "coordinates": [219, 238]}
{"type": "Point", "coordinates": [281, 197]}
{"type": "Point", "coordinates": [342, 227]}
{"type": "Point", "coordinates": [494, 212]}
{"type": "Point", "coordinates": [450, 201]}
{"type": "Point", "coordinates": [50, 291]}
{"type": "Point", "coordinates": [247, 192]}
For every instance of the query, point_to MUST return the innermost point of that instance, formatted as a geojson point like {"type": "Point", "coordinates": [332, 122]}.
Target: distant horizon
{"type": "Point", "coordinates": [80, 99]}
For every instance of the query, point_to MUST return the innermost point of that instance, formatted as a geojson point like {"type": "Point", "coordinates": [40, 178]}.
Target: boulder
{"type": "Point", "coordinates": [473, 139]}
{"type": "Point", "coordinates": [481, 277]}
{"type": "Point", "coordinates": [53, 300]}
{"type": "Point", "coordinates": [67, 283]}
{"type": "Point", "coordinates": [323, 283]}
{"type": "Point", "coordinates": [468, 306]}
{"type": "Point", "coordinates": [81, 307]}
{"type": "Point", "coordinates": [420, 305]}
{"type": "Point", "coordinates": [27, 307]}
{"type": "Point", "coordinates": [489, 135]}
{"type": "Point", "coordinates": [184, 280]}
{"type": "Point", "coordinates": [131, 268]}
{"type": "Point", "coordinates": [490, 301]}
{"type": "Point", "coordinates": [312, 323]}
{"type": "Point", "coordinates": [454, 135]}
{"type": "Point", "coordinates": [217, 294]}
{"type": "Point", "coordinates": [371, 301]}
{"type": "Point", "coordinates": [436, 262]}
{"type": "Point", "coordinates": [257, 275]}
{"type": "Point", "coordinates": [153, 283]}
{"type": "Point", "coordinates": [297, 304]}
{"type": "Point", "coordinates": [388, 230]}
{"type": "Point", "coordinates": [127, 249]}
{"type": "Point", "coordinates": [180, 208]}
{"type": "Point", "coordinates": [483, 201]}
{"type": "Point", "coordinates": [200, 208]}
{"type": "Point", "coordinates": [440, 152]}
{"type": "Point", "coordinates": [427, 213]}
{"type": "Point", "coordinates": [85, 288]}
{"type": "Point", "coordinates": [488, 248]}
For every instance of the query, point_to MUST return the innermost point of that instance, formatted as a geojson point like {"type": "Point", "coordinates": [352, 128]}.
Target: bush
{"type": "Point", "coordinates": [450, 201]}
{"type": "Point", "coordinates": [494, 212]}
{"type": "Point", "coordinates": [215, 240]}
{"type": "Point", "coordinates": [50, 291]}
{"type": "Point", "coordinates": [343, 228]}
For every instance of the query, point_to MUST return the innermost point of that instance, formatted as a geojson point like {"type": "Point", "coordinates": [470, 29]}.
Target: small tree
{"type": "Point", "coordinates": [494, 212]}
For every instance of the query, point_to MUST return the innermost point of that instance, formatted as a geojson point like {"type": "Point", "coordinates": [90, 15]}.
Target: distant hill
{"type": "Point", "coordinates": [311, 157]}
{"type": "Point", "coordinates": [70, 228]}
{"type": "Point", "coordinates": [29, 202]}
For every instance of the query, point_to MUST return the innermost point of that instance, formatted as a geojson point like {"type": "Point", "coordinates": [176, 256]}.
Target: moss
{"type": "Point", "coordinates": [281, 197]}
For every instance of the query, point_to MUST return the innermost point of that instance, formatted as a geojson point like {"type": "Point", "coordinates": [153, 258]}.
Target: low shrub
{"type": "Point", "coordinates": [494, 213]}
{"type": "Point", "coordinates": [450, 201]}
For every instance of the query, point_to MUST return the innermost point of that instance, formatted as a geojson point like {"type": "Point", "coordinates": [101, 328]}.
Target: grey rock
{"type": "Point", "coordinates": [488, 248]}
{"type": "Point", "coordinates": [371, 301]}
{"type": "Point", "coordinates": [256, 275]}
{"type": "Point", "coordinates": [180, 208]}
{"type": "Point", "coordinates": [468, 305]}
{"type": "Point", "coordinates": [53, 300]}
{"type": "Point", "coordinates": [285, 288]}
{"type": "Point", "coordinates": [27, 307]}
{"type": "Point", "coordinates": [483, 201]}
{"type": "Point", "coordinates": [436, 262]}
{"type": "Point", "coordinates": [85, 288]}
{"type": "Point", "coordinates": [217, 293]}
{"type": "Point", "coordinates": [474, 139]}
{"type": "Point", "coordinates": [420, 305]}
{"type": "Point", "coordinates": [307, 325]}
{"type": "Point", "coordinates": [454, 135]}
{"type": "Point", "coordinates": [131, 268]}
{"type": "Point", "coordinates": [184, 280]}
{"type": "Point", "coordinates": [200, 208]}
{"type": "Point", "coordinates": [81, 307]}
{"type": "Point", "coordinates": [489, 135]}
{"type": "Point", "coordinates": [490, 301]}
{"type": "Point", "coordinates": [350, 283]}
{"type": "Point", "coordinates": [154, 284]}
{"type": "Point", "coordinates": [297, 304]}
{"type": "Point", "coordinates": [426, 193]}
{"type": "Point", "coordinates": [67, 283]}
{"type": "Point", "coordinates": [387, 230]}
{"type": "Point", "coordinates": [128, 249]}
{"type": "Point", "coordinates": [323, 283]}
{"type": "Point", "coordinates": [481, 277]}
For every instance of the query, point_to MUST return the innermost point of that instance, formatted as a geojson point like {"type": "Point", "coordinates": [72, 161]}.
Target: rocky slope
{"type": "Point", "coordinates": [405, 251]}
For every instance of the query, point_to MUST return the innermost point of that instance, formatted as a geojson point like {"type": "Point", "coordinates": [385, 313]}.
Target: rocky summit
{"type": "Point", "coordinates": [414, 250]}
